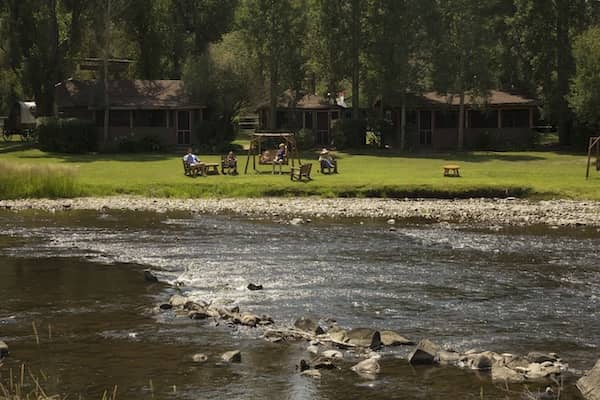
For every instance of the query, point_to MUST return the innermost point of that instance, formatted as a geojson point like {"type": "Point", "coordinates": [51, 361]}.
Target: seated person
{"type": "Point", "coordinates": [326, 160]}
{"type": "Point", "coordinates": [281, 154]}
{"type": "Point", "coordinates": [265, 157]}
{"type": "Point", "coordinates": [231, 161]}
{"type": "Point", "coordinates": [190, 158]}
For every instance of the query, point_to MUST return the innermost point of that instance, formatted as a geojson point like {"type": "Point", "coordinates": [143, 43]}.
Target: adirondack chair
{"type": "Point", "coordinates": [302, 172]}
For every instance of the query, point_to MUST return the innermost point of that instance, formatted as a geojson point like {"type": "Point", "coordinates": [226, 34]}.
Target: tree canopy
{"type": "Point", "coordinates": [238, 53]}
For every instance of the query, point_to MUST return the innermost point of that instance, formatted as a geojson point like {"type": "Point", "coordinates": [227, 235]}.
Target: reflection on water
{"type": "Point", "coordinates": [508, 291]}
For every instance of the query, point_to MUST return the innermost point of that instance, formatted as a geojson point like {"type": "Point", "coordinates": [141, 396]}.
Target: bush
{"type": "Point", "coordinates": [349, 132]}
{"type": "Point", "coordinates": [67, 135]}
{"type": "Point", "coordinates": [305, 138]}
{"type": "Point", "coordinates": [144, 144]}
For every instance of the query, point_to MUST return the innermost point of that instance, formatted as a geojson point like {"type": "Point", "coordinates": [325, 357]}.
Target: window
{"type": "Point", "coordinates": [483, 119]}
{"type": "Point", "coordinates": [515, 119]}
{"type": "Point", "coordinates": [446, 120]}
{"type": "Point", "coordinates": [118, 118]}
{"type": "Point", "coordinates": [147, 118]}
{"type": "Point", "coordinates": [308, 119]}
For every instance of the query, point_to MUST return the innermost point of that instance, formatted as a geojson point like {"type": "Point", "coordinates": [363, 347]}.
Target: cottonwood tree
{"type": "Point", "coordinates": [395, 42]}
{"type": "Point", "coordinates": [585, 87]}
{"type": "Point", "coordinates": [274, 32]}
{"type": "Point", "coordinates": [462, 56]}
{"type": "Point", "coordinates": [544, 31]}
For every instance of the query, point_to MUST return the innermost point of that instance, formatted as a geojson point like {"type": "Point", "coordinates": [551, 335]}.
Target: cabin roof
{"type": "Point", "coordinates": [124, 94]}
{"type": "Point", "coordinates": [496, 98]}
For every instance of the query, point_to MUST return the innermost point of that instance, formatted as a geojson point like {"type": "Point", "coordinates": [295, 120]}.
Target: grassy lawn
{"type": "Point", "coordinates": [525, 174]}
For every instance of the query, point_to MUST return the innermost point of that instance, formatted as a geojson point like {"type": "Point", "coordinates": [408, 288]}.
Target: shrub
{"type": "Point", "coordinates": [144, 144]}
{"type": "Point", "coordinates": [354, 133]}
{"type": "Point", "coordinates": [67, 135]}
{"type": "Point", "coordinates": [305, 139]}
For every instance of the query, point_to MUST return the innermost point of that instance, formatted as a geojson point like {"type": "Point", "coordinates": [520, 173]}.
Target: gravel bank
{"type": "Point", "coordinates": [508, 211]}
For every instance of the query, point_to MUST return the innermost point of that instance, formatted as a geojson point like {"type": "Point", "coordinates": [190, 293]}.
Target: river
{"type": "Point", "coordinates": [77, 276]}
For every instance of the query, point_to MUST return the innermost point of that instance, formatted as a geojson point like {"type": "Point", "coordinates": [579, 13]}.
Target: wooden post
{"type": "Point", "coordinates": [594, 141]}
{"type": "Point", "coordinates": [530, 118]}
{"type": "Point", "coordinates": [499, 118]}
{"type": "Point", "coordinates": [432, 127]}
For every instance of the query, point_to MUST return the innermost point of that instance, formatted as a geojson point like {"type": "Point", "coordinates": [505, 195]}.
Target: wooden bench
{"type": "Point", "coordinates": [451, 170]}
{"type": "Point", "coordinates": [192, 170]}
{"type": "Point", "coordinates": [301, 172]}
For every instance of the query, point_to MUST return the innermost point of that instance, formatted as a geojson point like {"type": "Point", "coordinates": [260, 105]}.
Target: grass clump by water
{"type": "Point", "coordinates": [37, 180]}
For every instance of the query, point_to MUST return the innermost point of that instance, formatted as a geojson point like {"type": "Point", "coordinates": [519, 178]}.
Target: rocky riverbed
{"type": "Point", "coordinates": [508, 211]}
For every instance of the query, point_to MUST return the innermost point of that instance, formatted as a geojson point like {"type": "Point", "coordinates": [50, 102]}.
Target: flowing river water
{"type": "Point", "coordinates": [78, 277]}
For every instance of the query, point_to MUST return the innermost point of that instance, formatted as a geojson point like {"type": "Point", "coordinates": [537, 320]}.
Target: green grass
{"type": "Point", "coordinates": [484, 174]}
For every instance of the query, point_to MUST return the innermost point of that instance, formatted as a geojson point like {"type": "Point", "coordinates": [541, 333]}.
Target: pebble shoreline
{"type": "Point", "coordinates": [509, 211]}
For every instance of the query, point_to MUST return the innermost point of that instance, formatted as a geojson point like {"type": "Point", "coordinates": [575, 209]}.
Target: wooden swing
{"type": "Point", "coordinates": [267, 156]}
{"type": "Point", "coordinates": [594, 143]}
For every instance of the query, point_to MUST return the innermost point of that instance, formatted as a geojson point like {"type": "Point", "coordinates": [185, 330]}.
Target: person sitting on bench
{"type": "Point", "coordinates": [280, 157]}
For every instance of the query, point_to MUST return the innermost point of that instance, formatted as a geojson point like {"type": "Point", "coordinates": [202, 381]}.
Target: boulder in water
{"type": "Point", "coordinates": [3, 349]}
{"type": "Point", "coordinates": [370, 366]}
{"type": "Point", "coordinates": [589, 384]}
{"type": "Point", "coordinates": [234, 356]}
{"type": "Point", "coordinates": [364, 337]}
{"type": "Point", "coordinates": [311, 373]}
{"type": "Point", "coordinates": [177, 300]}
{"type": "Point", "coordinates": [391, 338]}
{"type": "Point", "coordinates": [149, 277]}
{"type": "Point", "coordinates": [252, 286]}
{"type": "Point", "coordinates": [199, 358]}
{"type": "Point", "coordinates": [309, 325]}
{"type": "Point", "coordinates": [424, 353]}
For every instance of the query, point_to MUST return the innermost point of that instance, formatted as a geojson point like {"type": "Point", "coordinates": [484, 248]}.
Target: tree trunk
{"type": "Point", "coordinates": [273, 103]}
{"type": "Point", "coordinates": [461, 122]}
{"type": "Point", "coordinates": [563, 74]}
{"type": "Point", "coordinates": [403, 125]}
{"type": "Point", "coordinates": [355, 58]}
{"type": "Point", "coordinates": [106, 55]}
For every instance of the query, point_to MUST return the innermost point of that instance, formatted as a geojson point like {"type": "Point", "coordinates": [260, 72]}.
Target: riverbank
{"type": "Point", "coordinates": [509, 211]}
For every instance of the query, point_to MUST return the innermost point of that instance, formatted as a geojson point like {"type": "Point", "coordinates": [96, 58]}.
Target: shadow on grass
{"type": "Point", "coordinates": [10, 147]}
{"type": "Point", "coordinates": [458, 156]}
{"type": "Point", "coordinates": [85, 158]}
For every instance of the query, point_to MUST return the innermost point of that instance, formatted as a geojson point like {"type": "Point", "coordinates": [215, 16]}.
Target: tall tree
{"type": "Point", "coordinates": [463, 53]}
{"type": "Point", "coordinates": [544, 31]}
{"type": "Point", "coordinates": [396, 45]}
{"type": "Point", "coordinates": [585, 88]}
{"type": "Point", "coordinates": [274, 31]}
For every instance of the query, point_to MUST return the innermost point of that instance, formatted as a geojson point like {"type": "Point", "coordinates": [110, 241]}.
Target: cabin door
{"type": "Point", "coordinates": [184, 127]}
{"type": "Point", "coordinates": [425, 128]}
{"type": "Point", "coordinates": [323, 127]}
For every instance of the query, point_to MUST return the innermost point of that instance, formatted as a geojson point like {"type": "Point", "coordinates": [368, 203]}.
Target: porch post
{"type": "Point", "coordinates": [499, 118]}
{"type": "Point", "coordinates": [432, 125]}
{"type": "Point", "coordinates": [530, 118]}
{"type": "Point", "coordinates": [167, 118]}
{"type": "Point", "coordinates": [130, 119]}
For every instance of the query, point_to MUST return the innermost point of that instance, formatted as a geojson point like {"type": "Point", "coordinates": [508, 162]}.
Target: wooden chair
{"type": "Point", "coordinates": [330, 170]}
{"type": "Point", "coordinates": [227, 166]}
{"type": "Point", "coordinates": [192, 170]}
{"type": "Point", "coordinates": [302, 172]}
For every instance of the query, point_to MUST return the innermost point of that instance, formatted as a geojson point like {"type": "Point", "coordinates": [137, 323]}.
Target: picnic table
{"type": "Point", "coordinates": [451, 170]}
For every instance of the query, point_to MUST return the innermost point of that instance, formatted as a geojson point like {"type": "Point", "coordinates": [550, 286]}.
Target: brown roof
{"type": "Point", "coordinates": [496, 98]}
{"type": "Point", "coordinates": [308, 101]}
{"type": "Point", "coordinates": [124, 94]}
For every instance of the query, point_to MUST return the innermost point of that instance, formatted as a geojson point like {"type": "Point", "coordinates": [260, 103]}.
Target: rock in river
{"type": "Point", "coordinates": [424, 353]}
{"type": "Point", "coordinates": [307, 324]}
{"type": "Point", "coordinates": [234, 356]}
{"type": "Point", "coordinates": [391, 338]}
{"type": "Point", "coordinates": [3, 349]}
{"type": "Point", "coordinates": [364, 337]}
{"type": "Point", "coordinates": [589, 384]}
